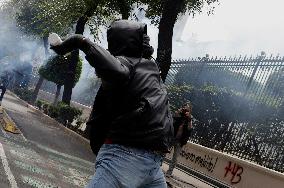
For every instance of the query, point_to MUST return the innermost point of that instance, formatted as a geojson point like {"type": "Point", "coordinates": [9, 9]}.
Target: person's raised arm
{"type": "Point", "coordinates": [108, 67]}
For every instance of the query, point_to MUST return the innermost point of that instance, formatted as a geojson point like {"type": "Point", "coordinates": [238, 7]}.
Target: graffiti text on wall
{"type": "Point", "coordinates": [207, 161]}
{"type": "Point", "coordinates": [235, 171]}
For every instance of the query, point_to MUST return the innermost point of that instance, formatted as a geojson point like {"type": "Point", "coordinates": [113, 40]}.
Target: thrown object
{"type": "Point", "coordinates": [54, 39]}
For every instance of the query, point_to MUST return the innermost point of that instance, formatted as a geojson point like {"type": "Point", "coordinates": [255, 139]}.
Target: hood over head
{"type": "Point", "coordinates": [129, 38]}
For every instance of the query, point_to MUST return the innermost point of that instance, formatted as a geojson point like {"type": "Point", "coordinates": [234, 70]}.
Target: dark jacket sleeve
{"type": "Point", "coordinates": [108, 67]}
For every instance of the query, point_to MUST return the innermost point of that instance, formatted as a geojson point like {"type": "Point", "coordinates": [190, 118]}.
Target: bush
{"type": "Point", "coordinates": [67, 114]}
{"type": "Point", "coordinates": [61, 112]}
{"type": "Point", "coordinates": [24, 93]}
{"type": "Point", "coordinates": [40, 104]}
{"type": "Point", "coordinates": [53, 111]}
{"type": "Point", "coordinates": [45, 107]}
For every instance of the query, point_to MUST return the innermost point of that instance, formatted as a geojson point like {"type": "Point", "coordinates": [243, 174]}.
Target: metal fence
{"type": "Point", "coordinates": [238, 104]}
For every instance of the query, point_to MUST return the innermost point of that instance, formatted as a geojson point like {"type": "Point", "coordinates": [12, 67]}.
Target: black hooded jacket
{"type": "Point", "coordinates": [131, 107]}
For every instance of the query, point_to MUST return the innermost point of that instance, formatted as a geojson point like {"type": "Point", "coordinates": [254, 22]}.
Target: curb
{"type": "Point", "coordinates": [10, 124]}
{"type": "Point", "coordinates": [199, 175]}
{"type": "Point", "coordinates": [37, 110]}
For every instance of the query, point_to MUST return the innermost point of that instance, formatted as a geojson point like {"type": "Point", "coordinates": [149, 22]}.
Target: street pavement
{"type": "Point", "coordinates": [48, 155]}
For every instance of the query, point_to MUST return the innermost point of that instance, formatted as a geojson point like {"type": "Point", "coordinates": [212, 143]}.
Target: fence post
{"type": "Point", "coordinates": [259, 59]}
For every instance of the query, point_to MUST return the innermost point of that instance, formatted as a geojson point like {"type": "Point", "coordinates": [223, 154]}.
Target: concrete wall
{"type": "Point", "coordinates": [228, 169]}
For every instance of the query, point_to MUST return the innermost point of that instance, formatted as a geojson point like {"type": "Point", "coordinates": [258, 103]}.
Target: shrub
{"type": "Point", "coordinates": [45, 107]}
{"type": "Point", "coordinates": [67, 114]}
{"type": "Point", "coordinates": [40, 104]}
{"type": "Point", "coordinates": [24, 93]}
{"type": "Point", "coordinates": [53, 111]}
{"type": "Point", "coordinates": [61, 112]}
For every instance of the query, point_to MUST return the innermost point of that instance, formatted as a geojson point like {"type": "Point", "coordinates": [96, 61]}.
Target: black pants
{"type": "Point", "coordinates": [3, 88]}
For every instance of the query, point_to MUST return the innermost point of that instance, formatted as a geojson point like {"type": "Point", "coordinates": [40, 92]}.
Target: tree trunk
{"type": "Point", "coordinates": [36, 91]}
{"type": "Point", "coordinates": [124, 9]}
{"type": "Point", "coordinates": [45, 44]}
{"type": "Point", "coordinates": [171, 9]}
{"type": "Point", "coordinates": [41, 79]}
{"type": "Point", "coordinates": [58, 89]}
{"type": "Point", "coordinates": [70, 81]}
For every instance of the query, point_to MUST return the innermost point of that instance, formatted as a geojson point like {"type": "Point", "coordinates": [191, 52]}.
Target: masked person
{"type": "Point", "coordinates": [4, 82]}
{"type": "Point", "coordinates": [130, 124]}
{"type": "Point", "coordinates": [182, 131]}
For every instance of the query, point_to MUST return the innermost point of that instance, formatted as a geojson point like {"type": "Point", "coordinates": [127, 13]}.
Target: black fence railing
{"type": "Point", "coordinates": [238, 105]}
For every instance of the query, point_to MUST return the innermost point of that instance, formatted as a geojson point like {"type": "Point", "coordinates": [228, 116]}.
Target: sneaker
{"type": "Point", "coordinates": [169, 174]}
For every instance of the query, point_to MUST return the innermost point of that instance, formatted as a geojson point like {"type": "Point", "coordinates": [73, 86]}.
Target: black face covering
{"type": "Point", "coordinates": [129, 38]}
{"type": "Point", "coordinates": [147, 49]}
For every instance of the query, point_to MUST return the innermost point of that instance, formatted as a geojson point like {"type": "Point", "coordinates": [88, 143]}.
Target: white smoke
{"type": "Point", "coordinates": [16, 49]}
{"type": "Point", "coordinates": [236, 28]}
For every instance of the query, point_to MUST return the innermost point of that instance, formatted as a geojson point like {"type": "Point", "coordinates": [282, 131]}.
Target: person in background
{"type": "Point", "coordinates": [182, 128]}
{"type": "Point", "coordinates": [131, 126]}
{"type": "Point", "coordinates": [4, 82]}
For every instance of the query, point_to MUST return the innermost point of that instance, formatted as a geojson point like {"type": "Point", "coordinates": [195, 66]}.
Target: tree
{"type": "Point", "coordinates": [80, 27]}
{"type": "Point", "coordinates": [105, 10]}
{"type": "Point", "coordinates": [60, 14]}
{"type": "Point", "coordinates": [165, 13]}
{"type": "Point", "coordinates": [55, 70]}
{"type": "Point", "coordinates": [38, 19]}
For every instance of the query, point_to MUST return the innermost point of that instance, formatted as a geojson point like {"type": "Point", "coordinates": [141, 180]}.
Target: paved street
{"type": "Point", "coordinates": [47, 154]}
{"type": "Point", "coordinates": [28, 165]}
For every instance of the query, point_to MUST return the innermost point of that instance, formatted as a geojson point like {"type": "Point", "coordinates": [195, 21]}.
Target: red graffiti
{"type": "Point", "coordinates": [235, 171]}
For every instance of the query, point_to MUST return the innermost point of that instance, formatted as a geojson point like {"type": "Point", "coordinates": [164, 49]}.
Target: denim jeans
{"type": "Point", "coordinates": [118, 166]}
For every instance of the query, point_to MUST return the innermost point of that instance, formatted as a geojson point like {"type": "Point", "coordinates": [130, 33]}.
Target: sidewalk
{"type": "Point", "coordinates": [43, 131]}
{"type": "Point", "coordinates": [180, 179]}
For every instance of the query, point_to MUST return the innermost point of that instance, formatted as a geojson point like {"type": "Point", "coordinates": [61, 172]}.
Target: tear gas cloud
{"type": "Point", "coordinates": [236, 28]}
{"type": "Point", "coordinates": [16, 50]}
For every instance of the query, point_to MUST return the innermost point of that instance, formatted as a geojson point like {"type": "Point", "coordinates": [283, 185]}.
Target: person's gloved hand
{"type": "Point", "coordinates": [71, 43]}
{"type": "Point", "coordinates": [59, 49]}
{"type": "Point", "coordinates": [148, 50]}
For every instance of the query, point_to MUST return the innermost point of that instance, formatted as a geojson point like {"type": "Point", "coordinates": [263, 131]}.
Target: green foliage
{"type": "Point", "coordinates": [275, 82]}
{"type": "Point", "coordinates": [177, 95]}
{"type": "Point", "coordinates": [24, 93]}
{"type": "Point", "coordinates": [66, 113]}
{"type": "Point", "coordinates": [61, 112]}
{"type": "Point", "coordinates": [223, 105]}
{"type": "Point", "coordinates": [224, 119]}
{"type": "Point", "coordinates": [56, 69]}
{"type": "Point", "coordinates": [155, 7]}
{"type": "Point", "coordinates": [41, 17]}
{"type": "Point", "coordinates": [40, 104]}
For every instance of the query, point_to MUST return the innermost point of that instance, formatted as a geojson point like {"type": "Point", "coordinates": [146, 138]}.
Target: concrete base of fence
{"type": "Point", "coordinates": [229, 169]}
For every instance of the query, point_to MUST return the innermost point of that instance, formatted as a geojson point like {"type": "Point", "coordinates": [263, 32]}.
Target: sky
{"type": "Point", "coordinates": [237, 27]}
